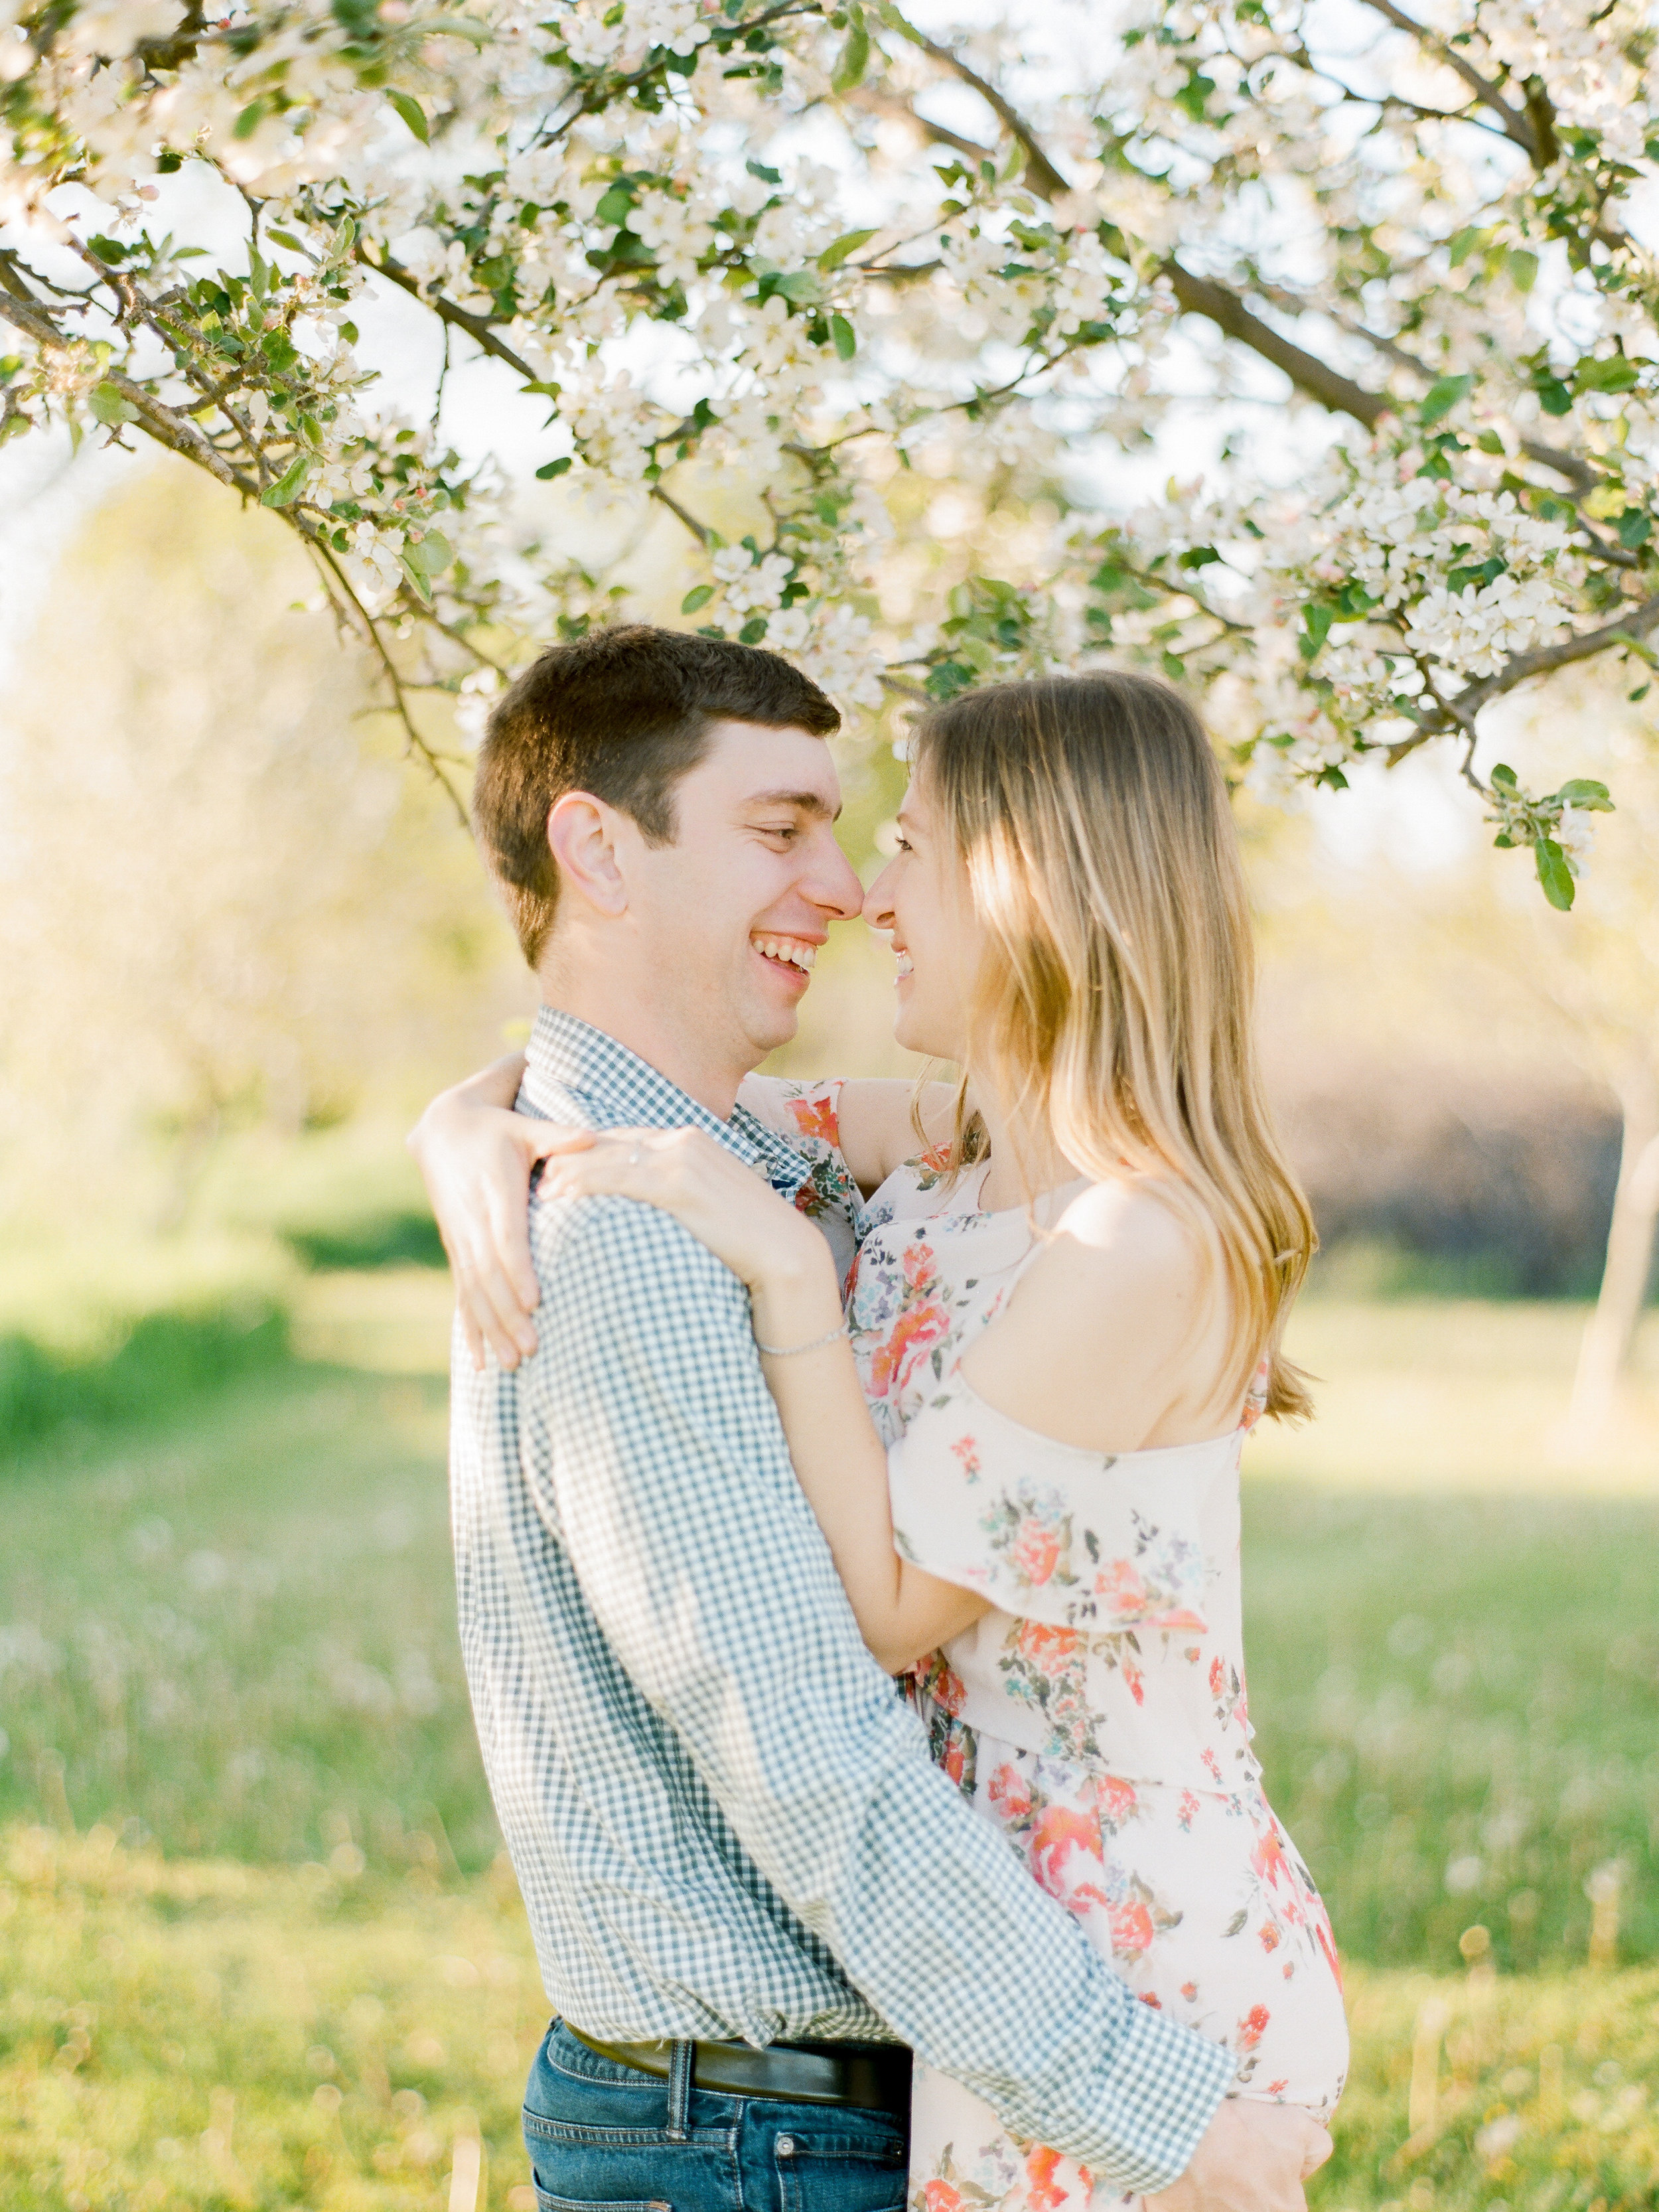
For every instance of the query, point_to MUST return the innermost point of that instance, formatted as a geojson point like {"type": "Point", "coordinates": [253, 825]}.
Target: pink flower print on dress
{"type": "Point", "coordinates": [1051, 1650]}
{"type": "Point", "coordinates": [943, 1684]}
{"type": "Point", "coordinates": [1120, 1583]}
{"type": "Point", "coordinates": [1043, 2192]}
{"type": "Point", "coordinates": [1035, 1553]}
{"type": "Point", "coordinates": [1132, 1932]}
{"type": "Point", "coordinates": [1059, 1835]}
{"type": "Point", "coordinates": [1010, 1792]}
{"type": "Point", "coordinates": [966, 1449]}
{"type": "Point", "coordinates": [1117, 1800]}
{"type": "Point", "coordinates": [941, 2197]}
{"type": "Point", "coordinates": [921, 1323]}
{"type": "Point", "coordinates": [1268, 1859]}
{"type": "Point", "coordinates": [1135, 1679]}
{"type": "Point", "coordinates": [1253, 2026]}
{"type": "Point", "coordinates": [816, 1118]}
{"type": "Point", "coordinates": [1187, 1812]}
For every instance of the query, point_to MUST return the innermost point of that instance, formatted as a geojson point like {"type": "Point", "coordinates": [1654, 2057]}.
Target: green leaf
{"type": "Point", "coordinates": [413, 114]}
{"type": "Point", "coordinates": [848, 243]}
{"type": "Point", "coordinates": [249, 120]}
{"type": "Point", "coordinates": [947, 679]}
{"type": "Point", "coordinates": [1615, 373]}
{"type": "Point", "coordinates": [1523, 268]}
{"type": "Point", "coordinates": [432, 556]}
{"type": "Point", "coordinates": [111, 406]}
{"type": "Point", "coordinates": [285, 238]}
{"type": "Point", "coordinates": [1553, 396]}
{"type": "Point", "coordinates": [550, 468]}
{"type": "Point", "coordinates": [753, 631]}
{"type": "Point", "coordinates": [1444, 395]}
{"type": "Point", "coordinates": [846, 337]}
{"type": "Point", "coordinates": [1635, 529]}
{"type": "Point", "coordinates": [109, 249]}
{"type": "Point", "coordinates": [1504, 774]}
{"type": "Point", "coordinates": [289, 485]}
{"type": "Point", "coordinates": [698, 596]}
{"type": "Point", "coordinates": [1553, 873]}
{"type": "Point", "coordinates": [1317, 622]}
{"type": "Point", "coordinates": [418, 584]}
{"type": "Point", "coordinates": [855, 56]}
{"type": "Point", "coordinates": [1585, 793]}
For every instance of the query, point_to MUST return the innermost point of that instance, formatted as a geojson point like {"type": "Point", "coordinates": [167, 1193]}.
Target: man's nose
{"type": "Point", "coordinates": [835, 886]}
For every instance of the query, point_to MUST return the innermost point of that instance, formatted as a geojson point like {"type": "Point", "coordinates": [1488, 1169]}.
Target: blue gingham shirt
{"type": "Point", "coordinates": [723, 1819]}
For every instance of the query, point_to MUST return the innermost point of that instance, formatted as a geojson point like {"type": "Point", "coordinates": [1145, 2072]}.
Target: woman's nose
{"type": "Point", "coordinates": [878, 901]}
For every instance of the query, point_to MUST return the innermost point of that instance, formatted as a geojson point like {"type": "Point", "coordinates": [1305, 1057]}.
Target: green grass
{"type": "Point", "coordinates": [234, 1629]}
{"type": "Point", "coordinates": [189, 2037]}
{"type": "Point", "coordinates": [228, 1650]}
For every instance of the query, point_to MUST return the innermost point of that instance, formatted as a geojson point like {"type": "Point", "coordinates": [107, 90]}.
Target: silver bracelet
{"type": "Point", "coordinates": [790, 1351]}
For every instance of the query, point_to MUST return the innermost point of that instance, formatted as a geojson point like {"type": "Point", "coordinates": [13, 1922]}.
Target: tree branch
{"type": "Point", "coordinates": [1203, 295]}
{"type": "Point", "coordinates": [176, 432]}
{"type": "Point", "coordinates": [1198, 295]}
{"type": "Point", "coordinates": [1517, 127]}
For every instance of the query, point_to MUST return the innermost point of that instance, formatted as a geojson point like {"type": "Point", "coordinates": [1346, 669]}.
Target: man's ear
{"type": "Point", "coordinates": [583, 837]}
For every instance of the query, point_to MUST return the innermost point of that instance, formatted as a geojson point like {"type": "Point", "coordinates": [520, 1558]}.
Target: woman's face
{"type": "Point", "coordinates": [922, 899]}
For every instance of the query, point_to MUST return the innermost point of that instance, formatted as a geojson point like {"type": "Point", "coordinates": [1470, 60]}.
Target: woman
{"type": "Point", "coordinates": [1023, 1438]}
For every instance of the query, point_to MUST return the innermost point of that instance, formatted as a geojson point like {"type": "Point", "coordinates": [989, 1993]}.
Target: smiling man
{"type": "Point", "coordinates": [749, 1889]}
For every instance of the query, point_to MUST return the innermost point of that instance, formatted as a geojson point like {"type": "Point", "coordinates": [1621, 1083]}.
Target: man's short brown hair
{"type": "Point", "coordinates": [621, 714]}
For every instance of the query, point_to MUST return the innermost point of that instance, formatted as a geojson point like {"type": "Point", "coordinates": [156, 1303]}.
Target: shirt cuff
{"type": "Point", "coordinates": [1162, 2091]}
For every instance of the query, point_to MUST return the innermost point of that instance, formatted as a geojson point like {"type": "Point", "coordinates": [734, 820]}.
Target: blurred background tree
{"type": "Point", "coordinates": [225, 904]}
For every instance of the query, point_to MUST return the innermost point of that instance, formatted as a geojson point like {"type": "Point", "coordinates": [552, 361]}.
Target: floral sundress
{"type": "Point", "coordinates": [1097, 1715]}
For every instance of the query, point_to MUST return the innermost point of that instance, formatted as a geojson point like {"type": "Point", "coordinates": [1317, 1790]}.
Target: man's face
{"type": "Point", "coordinates": [733, 912]}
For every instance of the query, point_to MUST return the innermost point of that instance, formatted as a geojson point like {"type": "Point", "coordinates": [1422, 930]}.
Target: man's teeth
{"type": "Point", "coordinates": [799, 955]}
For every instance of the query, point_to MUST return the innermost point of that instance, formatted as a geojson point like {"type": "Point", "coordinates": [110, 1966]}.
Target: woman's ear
{"type": "Point", "coordinates": [582, 836]}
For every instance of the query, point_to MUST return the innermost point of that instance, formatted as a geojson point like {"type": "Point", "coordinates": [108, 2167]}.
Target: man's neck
{"type": "Point", "coordinates": [608, 1004]}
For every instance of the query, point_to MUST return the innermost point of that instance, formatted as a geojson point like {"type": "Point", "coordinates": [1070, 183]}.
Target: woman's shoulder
{"type": "Point", "coordinates": [1134, 1229]}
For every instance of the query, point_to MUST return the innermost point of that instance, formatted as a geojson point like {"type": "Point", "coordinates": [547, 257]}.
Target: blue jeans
{"type": "Point", "coordinates": [602, 2138]}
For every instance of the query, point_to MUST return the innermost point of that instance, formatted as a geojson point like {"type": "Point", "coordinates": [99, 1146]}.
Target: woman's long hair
{"type": "Point", "coordinates": [1117, 987]}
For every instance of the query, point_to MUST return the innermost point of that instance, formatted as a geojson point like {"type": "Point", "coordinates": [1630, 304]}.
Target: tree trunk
{"type": "Point", "coordinates": [1610, 1333]}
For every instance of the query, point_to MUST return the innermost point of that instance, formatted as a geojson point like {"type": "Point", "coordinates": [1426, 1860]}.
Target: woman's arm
{"type": "Point", "coordinates": [902, 1611]}
{"type": "Point", "coordinates": [476, 1156]}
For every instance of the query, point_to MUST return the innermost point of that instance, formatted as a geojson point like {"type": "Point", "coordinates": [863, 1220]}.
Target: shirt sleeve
{"type": "Point", "coordinates": [1044, 1529]}
{"type": "Point", "coordinates": [705, 1569]}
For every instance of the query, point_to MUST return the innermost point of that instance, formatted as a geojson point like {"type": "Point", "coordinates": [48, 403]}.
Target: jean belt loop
{"type": "Point", "coordinates": [679, 2092]}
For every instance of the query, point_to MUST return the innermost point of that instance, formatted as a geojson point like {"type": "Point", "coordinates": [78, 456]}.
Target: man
{"type": "Point", "coordinates": [750, 1891]}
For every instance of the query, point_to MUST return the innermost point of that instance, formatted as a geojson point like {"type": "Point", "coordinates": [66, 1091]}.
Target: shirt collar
{"type": "Point", "coordinates": [618, 1089]}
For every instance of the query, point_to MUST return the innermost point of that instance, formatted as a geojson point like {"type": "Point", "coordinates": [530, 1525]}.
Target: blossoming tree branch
{"type": "Point", "coordinates": [817, 244]}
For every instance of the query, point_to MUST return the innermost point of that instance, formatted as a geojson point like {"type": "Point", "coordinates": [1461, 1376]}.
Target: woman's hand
{"type": "Point", "coordinates": [476, 1154]}
{"type": "Point", "coordinates": [724, 1204]}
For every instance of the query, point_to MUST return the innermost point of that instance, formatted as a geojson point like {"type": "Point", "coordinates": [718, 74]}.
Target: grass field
{"type": "Point", "coordinates": [247, 1824]}
{"type": "Point", "coordinates": [203, 2035]}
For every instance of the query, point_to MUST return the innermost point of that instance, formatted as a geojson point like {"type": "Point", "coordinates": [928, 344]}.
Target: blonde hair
{"type": "Point", "coordinates": [1116, 991]}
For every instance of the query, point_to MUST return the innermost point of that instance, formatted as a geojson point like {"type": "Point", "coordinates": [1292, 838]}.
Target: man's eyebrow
{"type": "Point", "coordinates": [804, 802]}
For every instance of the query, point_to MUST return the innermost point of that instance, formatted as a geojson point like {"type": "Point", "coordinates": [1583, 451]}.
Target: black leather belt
{"type": "Point", "coordinates": [875, 2077]}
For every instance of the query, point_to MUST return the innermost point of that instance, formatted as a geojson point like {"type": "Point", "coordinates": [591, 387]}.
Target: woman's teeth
{"type": "Point", "coordinates": [904, 963]}
{"type": "Point", "coordinates": [794, 949]}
